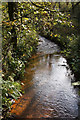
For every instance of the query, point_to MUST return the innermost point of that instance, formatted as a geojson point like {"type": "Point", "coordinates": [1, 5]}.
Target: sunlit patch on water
{"type": "Point", "coordinates": [48, 89]}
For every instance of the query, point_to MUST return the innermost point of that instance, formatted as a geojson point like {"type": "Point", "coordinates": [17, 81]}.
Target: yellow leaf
{"type": "Point", "coordinates": [55, 35]}
{"type": "Point", "coordinates": [51, 35]}
{"type": "Point", "coordinates": [72, 26]}
{"type": "Point", "coordinates": [26, 18]}
{"type": "Point", "coordinates": [24, 54]}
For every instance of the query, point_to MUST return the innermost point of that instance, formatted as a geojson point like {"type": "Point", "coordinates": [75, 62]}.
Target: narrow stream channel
{"type": "Point", "coordinates": [48, 89]}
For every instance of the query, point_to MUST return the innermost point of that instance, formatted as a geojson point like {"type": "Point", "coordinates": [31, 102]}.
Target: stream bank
{"type": "Point", "coordinates": [69, 51]}
{"type": "Point", "coordinates": [48, 89]}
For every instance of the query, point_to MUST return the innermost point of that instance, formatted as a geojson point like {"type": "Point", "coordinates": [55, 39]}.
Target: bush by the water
{"type": "Point", "coordinates": [14, 58]}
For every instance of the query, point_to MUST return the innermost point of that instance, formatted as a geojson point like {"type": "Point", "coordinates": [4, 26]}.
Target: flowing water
{"type": "Point", "coordinates": [48, 89]}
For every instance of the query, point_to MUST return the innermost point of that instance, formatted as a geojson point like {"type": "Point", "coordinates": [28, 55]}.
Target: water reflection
{"type": "Point", "coordinates": [48, 89]}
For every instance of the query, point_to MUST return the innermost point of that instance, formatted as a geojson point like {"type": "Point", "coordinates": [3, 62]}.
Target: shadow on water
{"type": "Point", "coordinates": [48, 89]}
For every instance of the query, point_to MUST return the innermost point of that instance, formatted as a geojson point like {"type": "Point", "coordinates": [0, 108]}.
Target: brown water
{"type": "Point", "coordinates": [48, 89]}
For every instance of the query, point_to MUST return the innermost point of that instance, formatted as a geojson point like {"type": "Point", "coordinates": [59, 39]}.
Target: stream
{"type": "Point", "coordinates": [48, 89]}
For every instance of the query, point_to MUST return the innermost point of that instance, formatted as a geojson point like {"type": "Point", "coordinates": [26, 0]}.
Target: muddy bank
{"type": "Point", "coordinates": [48, 89]}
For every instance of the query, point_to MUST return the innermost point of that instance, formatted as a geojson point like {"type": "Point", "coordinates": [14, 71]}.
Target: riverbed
{"type": "Point", "coordinates": [48, 86]}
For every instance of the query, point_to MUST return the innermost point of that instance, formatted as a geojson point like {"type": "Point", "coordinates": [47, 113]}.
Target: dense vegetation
{"type": "Point", "coordinates": [19, 43]}
{"type": "Point", "coordinates": [21, 24]}
{"type": "Point", "coordinates": [60, 25]}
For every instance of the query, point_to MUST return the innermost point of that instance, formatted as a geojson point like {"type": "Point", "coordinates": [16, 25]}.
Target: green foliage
{"type": "Point", "coordinates": [20, 40]}
{"type": "Point", "coordinates": [14, 59]}
{"type": "Point", "coordinates": [49, 21]}
{"type": "Point", "coordinates": [10, 91]}
{"type": "Point", "coordinates": [73, 55]}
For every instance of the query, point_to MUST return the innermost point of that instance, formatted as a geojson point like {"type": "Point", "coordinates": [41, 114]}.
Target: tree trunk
{"type": "Point", "coordinates": [59, 5]}
{"type": "Point", "coordinates": [11, 9]}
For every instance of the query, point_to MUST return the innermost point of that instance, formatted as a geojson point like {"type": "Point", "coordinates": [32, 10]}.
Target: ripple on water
{"type": "Point", "coordinates": [52, 94]}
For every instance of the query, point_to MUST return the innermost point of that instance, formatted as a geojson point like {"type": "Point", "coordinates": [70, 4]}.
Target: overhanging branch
{"type": "Point", "coordinates": [45, 9]}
